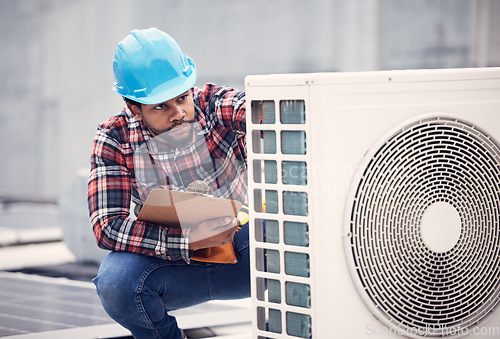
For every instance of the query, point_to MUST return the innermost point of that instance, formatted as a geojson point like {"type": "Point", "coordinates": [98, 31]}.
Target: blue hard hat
{"type": "Point", "coordinates": [150, 67]}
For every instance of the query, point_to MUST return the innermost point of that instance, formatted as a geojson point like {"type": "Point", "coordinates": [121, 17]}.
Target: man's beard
{"type": "Point", "coordinates": [157, 132]}
{"type": "Point", "coordinates": [174, 137]}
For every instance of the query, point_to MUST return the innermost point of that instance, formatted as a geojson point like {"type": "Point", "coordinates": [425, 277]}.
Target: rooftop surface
{"type": "Point", "coordinates": [46, 292]}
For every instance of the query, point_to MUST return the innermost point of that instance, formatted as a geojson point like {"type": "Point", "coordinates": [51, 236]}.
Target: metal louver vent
{"type": "Point", "coordinates": [423, 235]}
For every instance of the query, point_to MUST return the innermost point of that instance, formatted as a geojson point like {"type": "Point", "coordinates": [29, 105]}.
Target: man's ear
{"type": "Point", "coordinates": [135, 110]}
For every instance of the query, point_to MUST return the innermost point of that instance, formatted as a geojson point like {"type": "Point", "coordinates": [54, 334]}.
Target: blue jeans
{"type": "Point", "coordinates": [138, 291]}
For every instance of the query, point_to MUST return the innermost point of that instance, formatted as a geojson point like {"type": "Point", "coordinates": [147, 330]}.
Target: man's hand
{"type": "Point", "coordinates": [214, 232]}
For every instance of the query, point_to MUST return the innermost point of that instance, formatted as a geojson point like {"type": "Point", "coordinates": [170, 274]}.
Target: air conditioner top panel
{"type": "Point", "coordinates": [399, 76]}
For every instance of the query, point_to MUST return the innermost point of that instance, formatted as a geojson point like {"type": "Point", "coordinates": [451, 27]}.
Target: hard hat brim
{"type": "Point", "coordinates": [165, 92]}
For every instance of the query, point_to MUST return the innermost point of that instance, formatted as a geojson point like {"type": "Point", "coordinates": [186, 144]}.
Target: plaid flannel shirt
{"type": "Point", "coordinates": [117, 177]}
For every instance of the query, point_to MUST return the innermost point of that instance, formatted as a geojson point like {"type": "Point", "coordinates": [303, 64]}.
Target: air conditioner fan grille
{"type": "Point", "coordinates": [403, 281]}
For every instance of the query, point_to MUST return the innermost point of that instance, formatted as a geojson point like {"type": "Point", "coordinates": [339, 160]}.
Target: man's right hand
{"type": "Point", "coordinates": [214, 232]}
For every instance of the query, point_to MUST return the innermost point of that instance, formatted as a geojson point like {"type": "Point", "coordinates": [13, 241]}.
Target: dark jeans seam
{"type": "Point", "coordinates": [139, 303]}
{"type": "Point", "coordinates": [138, 292]}
{"type": "Point", "coordinates": [211, 289]}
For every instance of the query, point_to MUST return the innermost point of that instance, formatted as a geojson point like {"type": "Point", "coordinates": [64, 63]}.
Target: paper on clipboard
{"type": "Point", "coordinates": [183, 209]}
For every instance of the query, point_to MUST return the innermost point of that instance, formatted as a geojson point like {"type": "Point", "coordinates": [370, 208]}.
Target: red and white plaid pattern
{"type": "Point", "coordinates": [127, 162]}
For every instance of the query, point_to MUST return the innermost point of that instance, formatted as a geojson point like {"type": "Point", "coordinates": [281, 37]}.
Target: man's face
{"type": "Point", "coordinates": [173, 116]}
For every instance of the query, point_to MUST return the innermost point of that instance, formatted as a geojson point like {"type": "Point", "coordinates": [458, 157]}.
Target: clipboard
{"type": "Point", "coordinates": [184, 209]}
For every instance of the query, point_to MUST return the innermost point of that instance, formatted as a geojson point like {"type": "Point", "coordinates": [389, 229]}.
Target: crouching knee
{"type": "Point", "coordinates": [116, 284]}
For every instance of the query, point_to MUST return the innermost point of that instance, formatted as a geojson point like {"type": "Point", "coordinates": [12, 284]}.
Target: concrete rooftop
{"type": "Point", "coordinates": [35, 262]}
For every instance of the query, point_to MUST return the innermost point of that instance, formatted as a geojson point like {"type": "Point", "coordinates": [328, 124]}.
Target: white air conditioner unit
{"type": "Point", "coordinates": [382, 204]}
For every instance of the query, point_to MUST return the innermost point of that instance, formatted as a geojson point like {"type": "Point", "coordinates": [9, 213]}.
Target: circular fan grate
{"type": "Point", "coordinates": [406, 282]}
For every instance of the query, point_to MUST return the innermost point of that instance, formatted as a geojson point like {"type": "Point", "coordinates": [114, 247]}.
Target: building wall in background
{"type": "Point", "coordinates": [429, 39]}
{"type": "Point", "coordinates": [56, 59]}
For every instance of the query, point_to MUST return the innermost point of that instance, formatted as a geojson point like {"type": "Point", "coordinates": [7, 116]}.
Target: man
{"type": "Point", "coordinates": [181, 134]}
